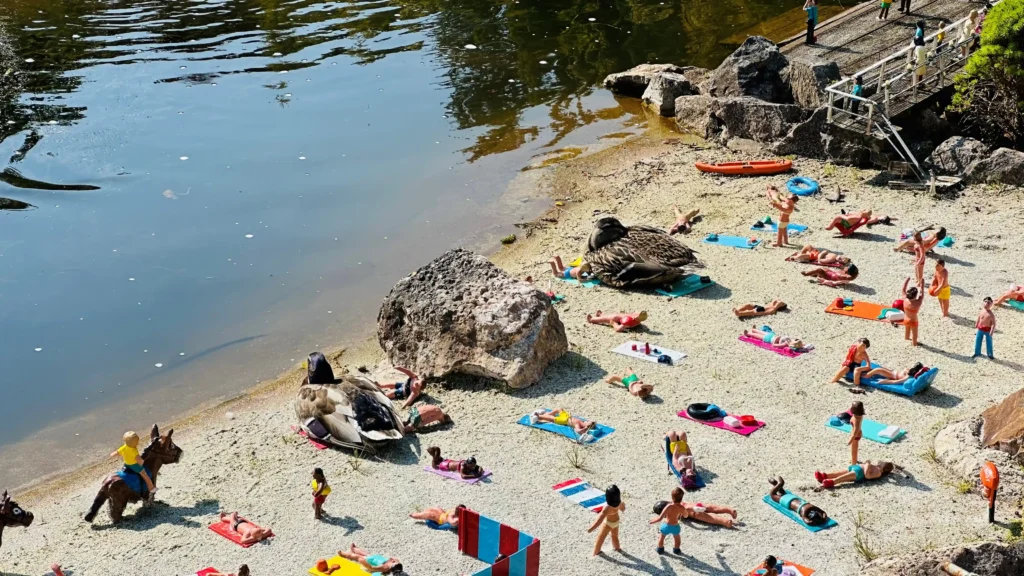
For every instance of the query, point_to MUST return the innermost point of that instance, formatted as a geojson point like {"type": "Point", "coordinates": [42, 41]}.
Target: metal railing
{"type": "Point", "coordinates": [897, 86]}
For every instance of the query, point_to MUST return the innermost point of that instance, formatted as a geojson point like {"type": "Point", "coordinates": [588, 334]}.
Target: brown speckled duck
{"type": "Point", "coordinates": [637, 256]}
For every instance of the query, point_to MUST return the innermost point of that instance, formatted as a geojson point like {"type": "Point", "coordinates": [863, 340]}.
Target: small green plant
{"type": "Point", "coordinates": [829, 170]}
{"type": "Point", "coordinates": [860, 540]}
{"type": "Point", "coordinates": [930, 455]}
{"type": "Point", "coordinates": [964, 486]}
{"type": "Point", "coordinates": [1015, 532]}
{"type": "Point", "coordinates": [508, 239]}
{"type": "Point", "coordinates": [576, 454]}
{"type": "Point", "coordinates": [356, 461]}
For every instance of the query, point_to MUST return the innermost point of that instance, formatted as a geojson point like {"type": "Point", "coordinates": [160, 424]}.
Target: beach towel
{"type": "Point", "coordinates": [803, 570]}
{"type": "Point", "coordinates": [600, 432]}
{"type": "Point", "coordinates": [697, 483]}
{"type": "Point", "coordinates": [348, 568]}
{"type": "Point", "coordinates": [225, 530]}
{"type": "Point", "coordinates": [579, 491]}
{"type": "Point", "coordinates": [796, 517]}
{"type": "Point", "coordinates": [864, 310]}
{"type": "Point", "coordinates": [787, 352]}
{"type": "Point", "coordinates": [792, 258]}
{"type": "Point", "coordinates": [732, 241]}
{"type": "Point", "coordinates": [455, 475]}
{"type": "Point", "coordinates": [301, 432]}
{"type": "Point", "coordinates": [626, 349]}
{"type": "Point", "coordinates": [206, 571]}
{"type": "Point", "coordinates": [869, 428]}
{"type": "Point", "coordinates": [847, 232]}
{"type": "Point", "coordinates": [1017, 304]}
{"type": "Point", "coordinates": [685, 286]}
{"type": "Point", "coordinates": [435, 526]}
{"type": "Point", "coordinates": [792, 229]}
{"type": "Point", "coordinates": [742, 430]}
{"type": "Point", "coordinates": [589, 283]}
{"type": "Point", "coordinates": [909, 388]}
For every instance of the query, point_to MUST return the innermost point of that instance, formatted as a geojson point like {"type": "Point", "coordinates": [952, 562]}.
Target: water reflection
{"type": "Point", "coordinates": [528, 52]}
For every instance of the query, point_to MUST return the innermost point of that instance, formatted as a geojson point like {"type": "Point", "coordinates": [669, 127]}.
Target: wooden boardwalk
{"type": "Point", "coordinates": [855, 39]}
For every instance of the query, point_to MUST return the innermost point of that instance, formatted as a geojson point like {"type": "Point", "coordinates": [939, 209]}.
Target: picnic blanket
{"type": "Point", "coordinates": [869, 428]}
{"type": "Point", "coordinates": [626, 349]}
{"type": "Point", "coordinates": [599, 432]}
{"type": "Point", "coordinates": [581, 492]}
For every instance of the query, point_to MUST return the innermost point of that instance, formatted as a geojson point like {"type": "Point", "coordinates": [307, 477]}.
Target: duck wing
{"type": "Point", "coordinates": [654, 245]}
{"type": "Point", "coordinates": [332, 408]}
{"type": "Point", "coordinates": [618, 266]}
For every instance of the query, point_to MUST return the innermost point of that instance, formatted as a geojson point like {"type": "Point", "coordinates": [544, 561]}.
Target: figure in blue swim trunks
{"type": "Point", "coordinates": [809, 513]}
{"type": "Point", "coordinates": [669, 519]}
{"type": "Point", "coordinates": [855, 473]}
{"type": "Point", "coordinates": [579, 273]}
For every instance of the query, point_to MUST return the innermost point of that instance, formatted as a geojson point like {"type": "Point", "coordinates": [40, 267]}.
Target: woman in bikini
{"type": "Point", "coordinates": [375, 563]}
{"type": "Point", "coordinates": [894, 377]}
{"type": "Point", "coordinates": [809, 513]}
{"type": "Point", "coordinates": [620, 322]}
{"type": "Point", "coordinates": [632, 383]}
{"type": "Point", "coordinates": [912, 300]}
{"type": "Point", "coordinates": [812, 255]}
{"type": "Point", "coordinates": [753, 310]}
{"type": "Point", "coordinates": [562, 417]}
{"type": "Point", "coordinates": [682, 457]}
{"type": "Point", "coordinates": [855, 473]}
{"type": "Point", "coordinates": [410, 390]}
{"type": "Point", "coordinates": [439, 516]}
{"type": "Point", "coordinates": [248, 532]}
{"type": "Point", "coordinates": [785, 206]}
{"type": "Point", "coordinates": [856, 432]}
{"type": "Point", "coordinates": [608, 519]}
{"type": "Point", "coordinates": [467, 468]}
{"type": "Point", "coordinates": [833, 277]}
{"type": "Point", "coordinates": [768, 337]}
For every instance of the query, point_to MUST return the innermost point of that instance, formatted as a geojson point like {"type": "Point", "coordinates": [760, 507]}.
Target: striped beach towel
{"type": "Point", "coordinates": [582, 493]}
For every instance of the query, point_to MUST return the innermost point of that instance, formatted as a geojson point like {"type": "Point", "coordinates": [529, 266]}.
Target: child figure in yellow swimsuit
{"type": "Point", "coordinates": [129, 451]}
{"type": "Point", "coordinates": [940, 287]}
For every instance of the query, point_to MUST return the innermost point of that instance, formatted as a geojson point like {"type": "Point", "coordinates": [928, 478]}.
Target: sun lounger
{"type": "Point", "coordinates": [909, 388]}
{"type": "Point", "coordinates": [847, 232]}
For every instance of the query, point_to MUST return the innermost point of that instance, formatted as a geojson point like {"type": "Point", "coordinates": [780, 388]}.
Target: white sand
{"type": "Point", "coordinates": [255, 465]}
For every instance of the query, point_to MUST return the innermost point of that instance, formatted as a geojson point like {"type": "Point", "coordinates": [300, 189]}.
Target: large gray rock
{"type": "Point", "coordinates": [954, 155]}
{"type": "Point", "coordinates": [1004, 166]}
{"type": "Point", "coordinates": [663, 90]}
{"type": "Point", "coordinates": [755, 69]}
{"type": "Point", "coordinates": [634, 82]}
{"type": "Point", "coordinates": [807, 81]}
{"type": "Point", "coordinates": [695, 115]}
{"type": "Point", "coordinates": [462, 314]}
{"type": "Point", "coordinates": [985, 559]}
{"type": "Point", "coordinates": [729, 118]}
{"type": "Point", "coordinates": [959, 448]}
{"type": "Point", "coordinates": [756, 119]}
{"type": "Point", "coordinates": [698, 78]}
{"type": "Point", "coordinates": [816, 138]}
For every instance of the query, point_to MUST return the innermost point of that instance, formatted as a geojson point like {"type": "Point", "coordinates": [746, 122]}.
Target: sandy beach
{"type": "Point", "coordinates": [254, 464]}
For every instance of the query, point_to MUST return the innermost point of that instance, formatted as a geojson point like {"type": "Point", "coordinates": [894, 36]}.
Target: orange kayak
{"type": "Point", "coordinates": [754, 167]}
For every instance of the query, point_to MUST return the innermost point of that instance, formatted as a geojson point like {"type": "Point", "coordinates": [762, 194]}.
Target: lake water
{"type": "Point", "coordinates": [195, 194]}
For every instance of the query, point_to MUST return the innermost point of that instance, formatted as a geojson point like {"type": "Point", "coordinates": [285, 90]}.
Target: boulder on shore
{"type": "Point", "coordinates": [1004, 166]}
{"type": "Point", "coordinates": [634, 82]}
{"type": "Point", "coordinates": [986, 559]}
{"type": "Point", "coordinates": [816, 138]}
{"type": "Point", "coordinates": [955, 154]}
{"type": "Point", "coordinates": [462, 314]}
{"type": "Point", "coordinates": [755, 69]}
{"type": "Point", "coordinates": [1003, 426]}
{"type": "Point", "coordinates": [664, 88]}
{"type": "Point", "coordinates": [727, 118]}
{"type": "Point", "coordinates": [807, 81]}
{"type": "Point", "coordinates": [959, 447]}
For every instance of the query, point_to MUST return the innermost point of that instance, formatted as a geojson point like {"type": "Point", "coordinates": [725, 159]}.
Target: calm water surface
{"type": "Point", "coordinates": [197, 193]}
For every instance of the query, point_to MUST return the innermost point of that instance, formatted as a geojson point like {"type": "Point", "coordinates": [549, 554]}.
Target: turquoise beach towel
{"type": "Point", "coordinates": [773, 227]}
{"type": "Point", "coordinates": [685, 286]}
{"type": "Point", "coordinates": [586, 284]}
{"type": "Point", "coordinates": [733, 241]}
{"type": "Point", "coordinates": [795, 517]}
{"type": "Point", "coordinates": [600, 432]}
{"type": "Point", "coordinates": [870, 428]}
{"type": "Point", "coordinates": [1015, 304]}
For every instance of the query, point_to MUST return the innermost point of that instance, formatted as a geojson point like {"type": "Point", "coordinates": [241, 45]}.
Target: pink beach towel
{"type": "Point", "coordinates": [742, 430]}
{"type": "Point", "coordinates": [455, 475]}
{"type": "Point", "coordinates": [301, 432]}
{"type": "Point", "coordinates": [787, 352]}
{"type": "Point", "coordinates": [206, 571]}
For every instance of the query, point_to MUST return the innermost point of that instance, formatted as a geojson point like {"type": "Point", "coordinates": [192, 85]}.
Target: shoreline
{"type": "Point", "coordinates": [265, 469]}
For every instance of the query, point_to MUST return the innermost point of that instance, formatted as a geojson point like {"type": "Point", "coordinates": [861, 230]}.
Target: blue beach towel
{"type": "Point", "coordinates": [134, 481]}
{"type": "Point", "coordinates": [599, 432]}
{"type": "Point", "coordinates": [909, 388]}
{"type": "Point", "coordinates": [685, 286]}
{"type": "Point", "coordinates": [796, 517]}
{"type": "Point", "coordinates": [698, 482]}
{"type": "Point", "coordinates": [436, 526]}
{"type": "Point", "coordinates": [733, 241]}
{"type": "Point", "coordinates": [590, 283]}
{"type": "Point", "coordinates": [869, 428]}
{"type": "Point", "coordinates": [1015, 304]}
{"type": "Point", "coordinates": [792, 228]}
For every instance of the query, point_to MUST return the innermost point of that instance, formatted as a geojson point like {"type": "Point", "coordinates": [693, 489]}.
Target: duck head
{"type": "Point", "coordinates": [606, 231]}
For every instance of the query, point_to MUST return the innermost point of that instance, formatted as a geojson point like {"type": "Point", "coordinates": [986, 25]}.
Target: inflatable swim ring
{"type": "Point", "coordinates": [703, 411]}
{"type": "Point", "coordinates": [802, 186]}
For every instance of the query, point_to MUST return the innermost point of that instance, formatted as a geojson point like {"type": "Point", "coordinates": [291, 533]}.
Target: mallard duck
{"type": "Point", "coordinates": [637, 256]}
{"type": "Point", "coordinates": [349, 412]}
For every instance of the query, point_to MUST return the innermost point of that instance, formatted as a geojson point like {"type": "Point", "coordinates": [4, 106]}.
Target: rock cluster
{"type": "Point", "coordinates": [462, 314]}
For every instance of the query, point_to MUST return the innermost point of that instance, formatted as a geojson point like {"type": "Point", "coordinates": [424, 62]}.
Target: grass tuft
{"type": "Point", "coordinates": [861, 545]}
{"type": "Point", "coordinates": [576, 454]}
{"type": "Point", "coordinates": [356, 461]}
{"type": "Point", "coordinates": [964, 486]}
